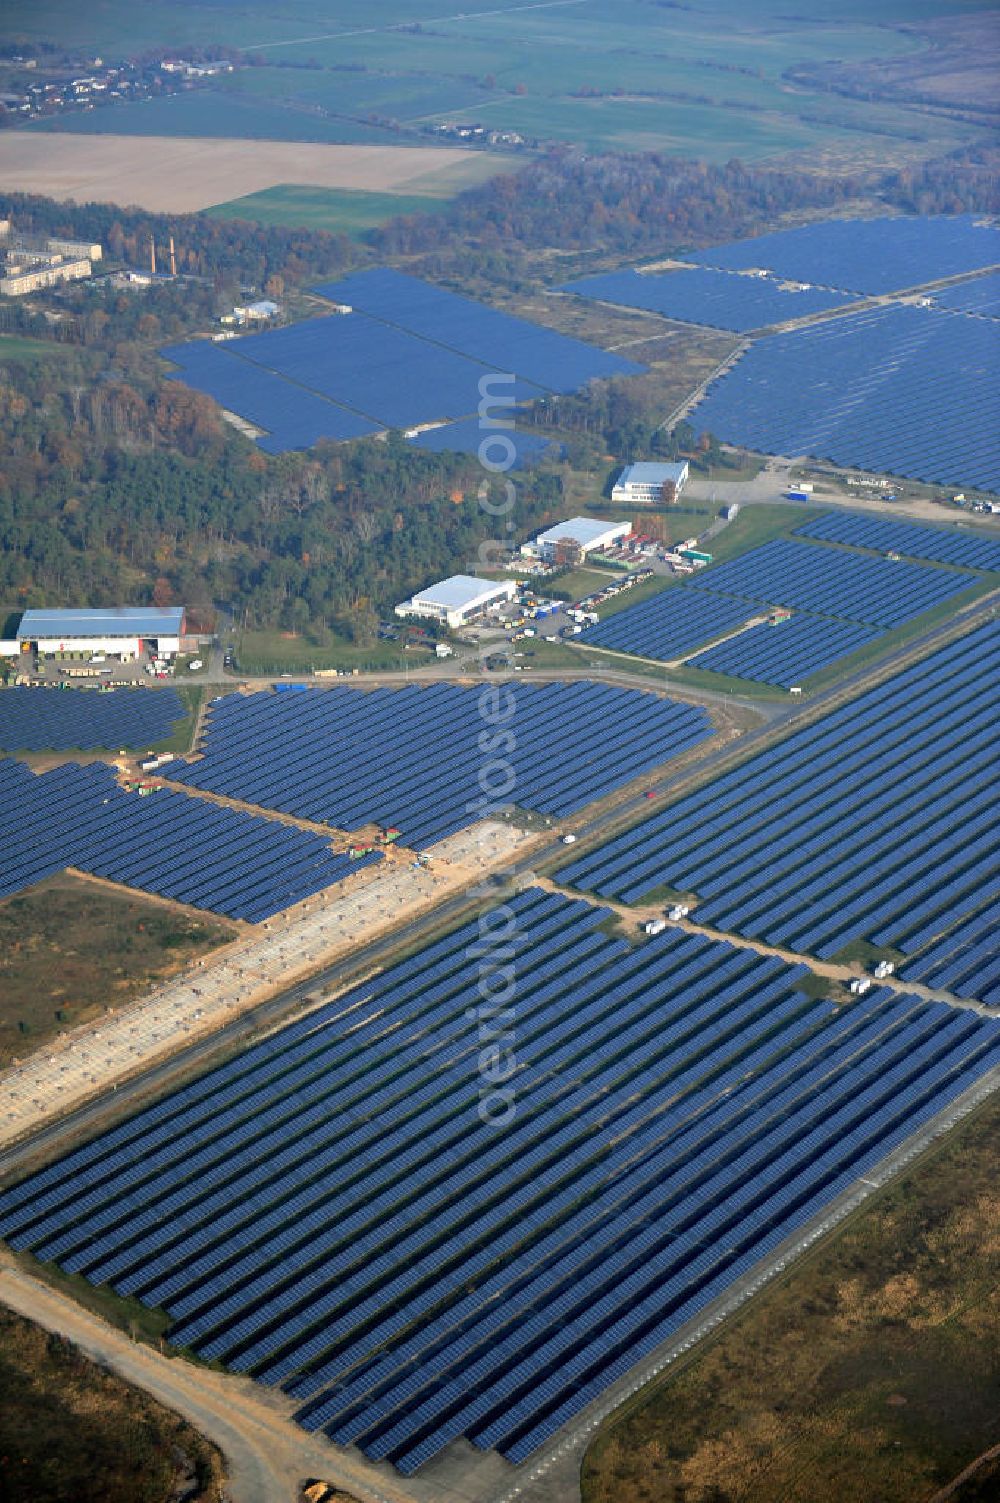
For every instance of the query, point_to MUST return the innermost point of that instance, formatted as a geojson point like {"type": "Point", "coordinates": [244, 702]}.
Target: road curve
{"type": "Point", "coordinates": [268, 1456]}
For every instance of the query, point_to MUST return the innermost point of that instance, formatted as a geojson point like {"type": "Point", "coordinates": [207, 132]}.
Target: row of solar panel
{"type": "Point", "coordinates": [981, 296]}
{"type": "Point", "coordinates": [965, 961]}
{"type": "Point", "coordinates": [834, 582]}
{"type": "Point", "coordinates": [965, 549]}
{"type": "Point", "coordinates": [795, 845]}
{"type": "Point", "coordinates": [788, 653]}
{"type": "Point", "coordinates": [310, 753]}
{"type": "Point", "coordinates": [408, 354]}
{"type": "Point", "coordinates": [720, 299]}
{"type": "Point", "coordinates": [410, 1274]}
{"type": "Point", "coordinates": [868, 255]}
{"type": "Point", "coordinates": [867, 390]}
{"type": "Point", "coordinates": [84, 720]}
{"type": "Point", "coordinates": [240, 865]}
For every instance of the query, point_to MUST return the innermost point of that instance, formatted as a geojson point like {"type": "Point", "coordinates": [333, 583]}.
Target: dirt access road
{"type": "Point", "coordinates": [268, 1455]}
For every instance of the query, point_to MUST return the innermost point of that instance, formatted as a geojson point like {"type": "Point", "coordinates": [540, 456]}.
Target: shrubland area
{"type": "Point", "coordinates": [71, 948]}
{"type": "Point", "coordinates": [70, 1430]}
{"type": "Point", "coordinates": [868, 1373]}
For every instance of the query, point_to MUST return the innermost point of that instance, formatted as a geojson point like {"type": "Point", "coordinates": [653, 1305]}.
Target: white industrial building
{"type": "Point", "coordinates": [118, 631]}
{"type": "Point", "coordinates": [642, 484]}
{"type": "Point", "coordinates": [581, 535]}
{"type": "Point", "coordinates": [457, 600]}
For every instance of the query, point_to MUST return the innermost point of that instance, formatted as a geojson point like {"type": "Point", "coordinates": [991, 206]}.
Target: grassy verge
{"type": "Point", "coordinates": [70, 1429]}
{"type": "Point", "coordinates": [276, 652]}
{"type": "Point", "coordinates": [69, 949]}
{"type": "Point", "coordinates": [869, 1374]}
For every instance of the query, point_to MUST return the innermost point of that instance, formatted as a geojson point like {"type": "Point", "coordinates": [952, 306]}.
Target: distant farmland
{"type": "Point", "coordinates": [182, 175]}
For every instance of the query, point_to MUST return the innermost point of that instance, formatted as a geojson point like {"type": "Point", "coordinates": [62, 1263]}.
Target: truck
{"type": "Point", "coordinates": [695, 556]}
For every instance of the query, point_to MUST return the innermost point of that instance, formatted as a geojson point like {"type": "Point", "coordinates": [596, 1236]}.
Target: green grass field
{"type": "Point", "coordinates": [342, 210]}
{"type": "Point", "coordinates": [20, 347]}
{"type": "Point", "coordinates": [270, 652]}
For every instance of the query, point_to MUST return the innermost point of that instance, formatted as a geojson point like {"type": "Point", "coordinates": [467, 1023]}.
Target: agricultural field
{"type": "Point", "coordinates": [705, 79]}
{"type": "Point", "coordinates": [71, 948]}
{"type": "Point", "coordinates": [868, 1372]}
{"type": "Point", "coordinates": [343, 211]}
{"type": "Point", "coordinates": [71, 1429]}
{"type": "Point", "coordinates": [682, 1107]}
{"type": "Point", "coordinates": [167, 174]}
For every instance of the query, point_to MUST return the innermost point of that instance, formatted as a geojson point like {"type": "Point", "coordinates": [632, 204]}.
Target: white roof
{"type": "Point", "coordinates": [647, 473]}
{"type": "Point", "coordinates": [461, 591]}
{"type": "Point", "coordinates": [582, 530]}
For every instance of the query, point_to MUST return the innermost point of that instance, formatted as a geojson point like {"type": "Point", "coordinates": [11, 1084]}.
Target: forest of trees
{"type": "Point", "coordinates": [109, 492]}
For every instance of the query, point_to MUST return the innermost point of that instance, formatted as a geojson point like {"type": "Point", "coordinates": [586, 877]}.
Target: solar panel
{"type": "Point", "coordinates": [328, 1212]}
{"type": "Point", "coordinates": [720, 299]}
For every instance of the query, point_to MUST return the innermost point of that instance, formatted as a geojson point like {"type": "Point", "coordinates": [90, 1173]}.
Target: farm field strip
{"type": "Point", "coordinates": [804, 846]}
{"type": "Point", "coordinates": [170, 174]}
{"type": "Point", "coordinates": [327, 1213]}
{"type": "Point", "coordinates": [311, 753]}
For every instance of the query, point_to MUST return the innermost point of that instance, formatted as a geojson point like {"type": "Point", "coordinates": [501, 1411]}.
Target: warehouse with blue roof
{"type": "Point", "coordinates": [121, 630]}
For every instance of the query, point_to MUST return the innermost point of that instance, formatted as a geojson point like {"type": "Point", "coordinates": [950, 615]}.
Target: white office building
{"type": "Point", "coordinates": [642, 484]}
{"type": "Point", "coordinates": [580, 534]}
{"type": "Point", "coordinates": [454, 602]}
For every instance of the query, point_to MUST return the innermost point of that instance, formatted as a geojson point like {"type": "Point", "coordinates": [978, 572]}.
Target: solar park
{"type": "Point", "coordinates": [871, 256]}
{"type": "Point", "coordinates": [243, 866]}
{"type": "Point", "coordinates": [310, 754]}
{"type": "Point", "coordinates": [980, 297]}
{"type": "Point", "coordinates": [867, 390]}
{"type": "Point", "coordinates": [844, 600]}
{"type": "Point", "coordinates": [34, 720]}
{"type": "Point", "coordinates": [799, 846]}
{"type": "Point", "coordinates": [719, 299]}
{"type": "Point", "coordinates": [407, 354]}
{"type": "Point", "coordinates": [326, 1213]}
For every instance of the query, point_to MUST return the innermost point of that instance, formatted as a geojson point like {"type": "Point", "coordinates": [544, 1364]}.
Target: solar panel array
{"type": "Point", "coordinates": [669, 624]}
{"type": "Point", "coordinates": [412, 758]}
{"type": "Point", "coordinates": [720, 299]}
{"type": "Point", "coordinates": [330, 1212]}
{"type": "Point", "coordinates": [866, 824]}
{"type": "Point", "coordinates": [507, 448]}
{"type": "Point", "coordinates": [846, 600]}
{"type": "Point", "coordinates": [899, 389]}
{"type": "Point", "coordinates": [409, 354]}
{"type": "Point", "coordinates": [544, 357]}
{"type": "Point", "coordinates": [967, 549]}
{"type": "Point", "coordinates": [868, 255]}
{"type": "Point", "coordinates": [291, 416]}
{"type": "Point", "coordinates": [787, 653]}
{"type": "Point", "coordinates": [241, 865]}
{"type": "Point", "coordinates": [85, 720]}
{"type": "Point", "coordinates": [965, 961]}
{"type": "Point", "coordinates": [832, 582]}
{"type": "Point", "coordinates": [980, 297]}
